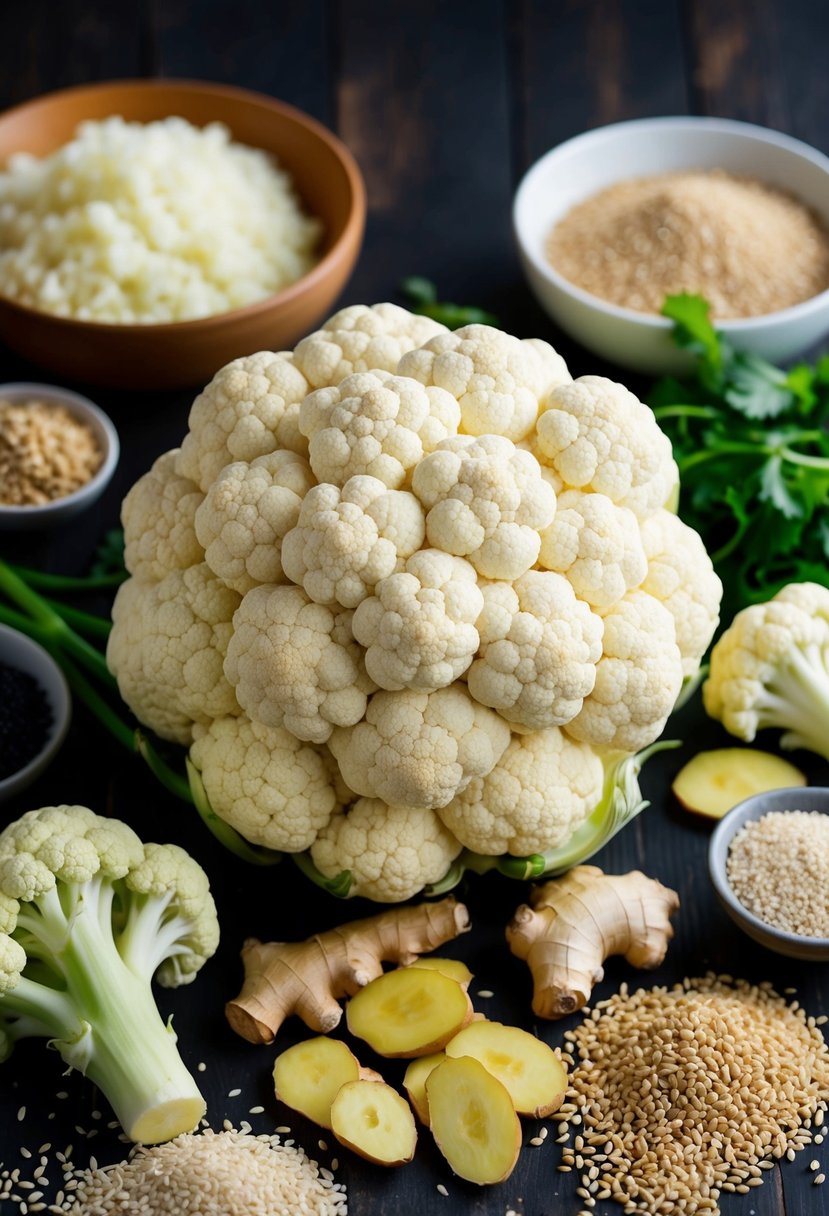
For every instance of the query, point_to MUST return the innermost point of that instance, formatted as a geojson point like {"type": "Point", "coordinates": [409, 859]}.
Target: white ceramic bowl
{"type": "Point", "coordinates": [581, 167]}
{"type": "Point", "coordinates": [17, 650]}
{"type": "Point", "coordinates": [62, 509]}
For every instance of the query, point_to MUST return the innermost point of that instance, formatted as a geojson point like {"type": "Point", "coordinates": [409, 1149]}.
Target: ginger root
{"type": "Point", "coordinates": [411, 1012]}
{"type": "Point", "coordinates": [473, 1120]}
{"type": "Point", "coordinates": [530, 1071]}
{"type": "Point", "coordinates": [578, 921]}
{"type": "Point", "coordinates": [309, 978]}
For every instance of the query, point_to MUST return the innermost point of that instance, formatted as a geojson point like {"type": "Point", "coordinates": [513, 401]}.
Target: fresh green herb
{"type": "Point", "coordinates": [423, 296]}
{"type": "Point", "coordinates": [752, 444]}
{"type": "Point", "coordinates": [109, 556]}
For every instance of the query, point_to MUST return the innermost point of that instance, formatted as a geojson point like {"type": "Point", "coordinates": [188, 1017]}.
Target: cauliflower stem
{"type": "Point", "coordinates": [796, 701]}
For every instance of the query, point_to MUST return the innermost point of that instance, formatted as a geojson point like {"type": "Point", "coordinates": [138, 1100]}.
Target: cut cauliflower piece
{"type": "Point", "coordinates": [245, 515]}
{"type": "Point", "coordinates": [295, 664]}
{"type": "Point", "coordinates": [391, 852]}
{"type": "Point", "coordinates": [496, 379]}
{"type": "Point", "coordinates": [346, 540]}
{"type": "Point", "coordinates": [680, 575]}
{"type": "Point", "coordinates": [544, 787]}
{"type": "Point", "coordinates": [419, 626]}
{"type": "Point", "coordinates": [249, 408]}
{"type": "Point", "coordinates": [158, 517]}
{"type": "Point", "coordinates": [486, 501]}
{"type": "Point", "coordinates": [597, 436]}
{"type": "Point", "coordinates": [638, 677]}
{"type": "Point", "coordinates": [273, 789]}
{"type": "Point", "coordinates": [596, 545]}
{"type": "Point", "coordinates": [361, 338]}
{"type": "Point", "coordinates": [377, 424]}
{"type": "Point", "coordinates": [167, 647]}
{"type": "Point", "coordinates": [419, 749]}
{"type": "Point", "coordinates": [539, 650]}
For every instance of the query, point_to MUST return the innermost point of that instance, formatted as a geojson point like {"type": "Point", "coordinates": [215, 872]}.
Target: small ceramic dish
{"type": "Point", "coordinates": [809, 798]}
{"type": "Point", "coordinates": [187, 353]}
{"type": "Point", "coordinates": [581, 167]}
{"type": "Point", "coordinates": [17, 650]}
{"type": "Point", "coordinates": [61, 509]}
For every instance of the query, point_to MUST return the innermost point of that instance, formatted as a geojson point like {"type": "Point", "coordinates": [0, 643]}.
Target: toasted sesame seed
{"type": "Point", "coordinates": [256, 1110]}
{"type": "Point", "coordinates": [233, 1093]}
{"type": "Point", "coordinates": [441, 1189]}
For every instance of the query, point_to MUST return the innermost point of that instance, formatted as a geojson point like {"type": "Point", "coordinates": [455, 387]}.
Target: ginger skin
{"type": "Point", "coordinates": [578, 921]}
{"type": "Point", "coordinates": [309, 978]}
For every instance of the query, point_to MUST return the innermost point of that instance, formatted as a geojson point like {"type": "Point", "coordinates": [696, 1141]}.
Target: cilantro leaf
{"type": "Point", "coordinates": [757, 389]}
{"type": "Point", "coordinates": [693, 329]}
{"type": "Point", "coordinates": [423, 295]}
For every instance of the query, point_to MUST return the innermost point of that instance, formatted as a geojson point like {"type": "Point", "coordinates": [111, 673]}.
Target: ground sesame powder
{"type": "Point", "coordinates": [778, 867]}
{"type": "Point", "coordinates": [748, 247]}
{"type": "Point", "coordinates": [45, 453]}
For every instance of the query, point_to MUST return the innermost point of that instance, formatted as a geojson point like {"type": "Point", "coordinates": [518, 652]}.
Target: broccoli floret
{"type": "Point", "coordinates": [88, 914]}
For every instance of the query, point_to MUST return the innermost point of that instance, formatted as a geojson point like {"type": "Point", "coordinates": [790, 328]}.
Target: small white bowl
{"type": "Point", "coordinates": [60, 509]}
{"type": "Point", "coordinates": [583, 166]}
{"type": "Point", "coordinates": [17, 650]}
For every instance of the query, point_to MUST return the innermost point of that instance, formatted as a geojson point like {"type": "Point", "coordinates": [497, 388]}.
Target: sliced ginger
{"type": "Point", "coordinates": [473, 1120]}
{"type": "Point", "coordinates": [308, 1076]}
{"type": "Point", "coordinates": [414, 1083]}
{"type": "Point", "coordinates": [715, 781]}
{"type": "Point", "coordinates": [530, 1071]}
{"type": "Point", "coordinates": [372, 1119]}
{"type": "Point", "coordinates": [410, 1012]}
{"type": "Point", "coordinates": [451, 967]}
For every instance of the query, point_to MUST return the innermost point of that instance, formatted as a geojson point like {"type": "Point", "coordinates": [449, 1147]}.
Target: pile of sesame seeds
{"type": "Point", "coordinates": [679, 1094]}
{"type": "Point", "coordinates": [778, 867]}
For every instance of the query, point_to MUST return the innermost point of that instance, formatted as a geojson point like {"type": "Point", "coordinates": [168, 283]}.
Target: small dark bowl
{"type": "Point", "coordinates": [20, 651]}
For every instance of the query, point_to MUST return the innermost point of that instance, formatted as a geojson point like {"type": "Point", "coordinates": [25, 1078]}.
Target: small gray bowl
{"type": "Point", "coordinates": [808, 798]}
{"type": "Point", "coordinates": [17, 650]}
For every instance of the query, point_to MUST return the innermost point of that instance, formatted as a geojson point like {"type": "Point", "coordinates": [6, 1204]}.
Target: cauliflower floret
{"type": "Point", "coordinates": [597, 545]}
{"type": "Point", "coordinates": [419, 749]}
{"type": "Point", "coordinates": [249, 408]}
{"type": "Point", "coordinates": [496, 379]}
{"type": "Point", "coordinates": [487, 501]}
{"type": "Point", "coordinates": [543, 788]}
{"type": "Point", "coordinates": [539, 649]}
{"type": "Point", "coordinates": [273, 789]}
{"type": "Point", "coordinates": [295, 664]}
{"type": "Point", "coordinates": [419, 626]}
{"type": "Point", "coordinates": [680, 575]}
{"type": "Point", "coordinates": [167, 648]}
{"type": "Point", "coordinates": [245, 516]}
{"type": "Point", "coordinates": [346, 540]}
{"type": "Point", "coordinates": [359, 338]}
{"type": "Point", "coordinates": [553, 368]}
{"type": "Point", "coordinates": [158, 517]}
{"type": "Point", "coordinates": [391, 852]}
{"type": "Point", "coordinates": [638, 677]}
{"type": "Point", "coordinates": [377, 424]}
{"type": "Point", "coordinates": [598, 437]}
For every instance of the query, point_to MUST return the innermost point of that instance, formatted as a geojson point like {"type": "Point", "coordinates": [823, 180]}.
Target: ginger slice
{"type": "Point", "coordinates": [409, 1012]}
{"type": "Point", "coordinates": [414, 1083]}
{"type": "Point", "coordinates": [715, 781]}
{"type": "Point", "coordinates": [308, 1076]}
{"type": "Point", "coordinates": [473, 1120]}
{"type": "Point", "coordinates": [451, 967]}
{"type": "Point", "coordinates": [372, 1119]}
{"type": "Point", "coordinates": [530, 1071]}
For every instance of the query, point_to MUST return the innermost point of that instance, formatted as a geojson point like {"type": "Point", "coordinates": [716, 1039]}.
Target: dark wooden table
{"type": "Point", "coordinates": [445, 105]}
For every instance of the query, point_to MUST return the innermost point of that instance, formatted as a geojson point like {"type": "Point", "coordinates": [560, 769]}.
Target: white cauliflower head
{"type": "Point", "coordinates": [244, 517]}
{"type": "Point", "coordinates": [597, 436]}
{"type": "Point", "coordinates": [359, 339]}
{"type": "Point", "coordinates": [542, 789]}
{"type": "Point", "coordinates": [167, 648]}
{"type": "Point", "coordinates": [539, 650]}
{"type": "Point", "coordinates": [638, 677]}
{"type": "Point", "coordinates": [553, 369]}
{"type": "Point", "coordinates": [680, 575]}
{"type": "Point", "coordinates": [419, 749]}
{"type": "Point", "coordinates": [249, 408]}
{"type": "Point", "coordinates": [346, 540]}
{"type": "Point", "coordinates": [486, 501]}
{"type": "Point", "coordinates": [419, 626]}
{"type": "Point", "coordinates": [391, 852]}
{"type": "Point", "coordinates": [376, 424]}
{"type": "Point", "coordinates": [597, 545]}
{"type": "Point", "coordinates": [295, 664]}
{"type": "Point", "coordinates": [158, 517]}
{"type": "Point", "coordinates": [273, 789]}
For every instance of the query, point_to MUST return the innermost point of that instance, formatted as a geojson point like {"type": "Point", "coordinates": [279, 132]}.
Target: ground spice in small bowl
{"type": "Point", "coordinates": [748, 247]}
{"type": "Point", "coordinates": [25, 719]}
{"type": "Point", "coordinates": [45, 453]}
{"type": "Point", "coordinates": [778, 868]}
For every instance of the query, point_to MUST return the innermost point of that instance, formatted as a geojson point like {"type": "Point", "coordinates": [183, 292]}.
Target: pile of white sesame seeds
{"type": "Point", "coordinates": [778, 867]}
{"type": "Point", "coordinates": [682, 1093]}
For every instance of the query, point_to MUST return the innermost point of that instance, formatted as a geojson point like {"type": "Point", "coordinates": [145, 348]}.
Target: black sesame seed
{"type": "Point", "coordinates": [25, 719]}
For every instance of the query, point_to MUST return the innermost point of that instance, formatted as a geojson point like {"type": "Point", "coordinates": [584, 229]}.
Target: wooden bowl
{"type": "Point", "coordinates": [185, 353]}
